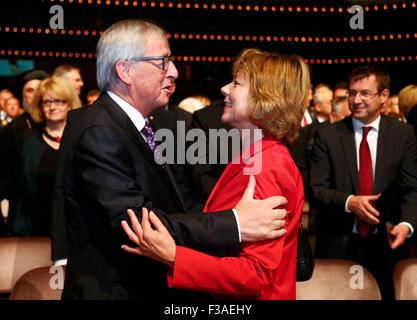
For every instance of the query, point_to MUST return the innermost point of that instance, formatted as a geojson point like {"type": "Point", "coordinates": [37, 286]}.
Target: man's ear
{"type": "Point", "coordinates": [317, 107]}
{"type": "Point", "coordinates": [123, 72]}
{"type": "Point", "coordinates": [385, 95]}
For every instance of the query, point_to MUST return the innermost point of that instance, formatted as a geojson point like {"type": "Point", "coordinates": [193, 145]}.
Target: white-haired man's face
{"type": "Point", "coordinates": [152, 86]}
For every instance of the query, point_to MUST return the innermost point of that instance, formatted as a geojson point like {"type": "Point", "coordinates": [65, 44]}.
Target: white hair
{"type": "Point", "coordinates": [191, 104]}
{"type": "Point", "coordinates": [123, 40]}
{"type": "Point", "coordinates": [322, 95]}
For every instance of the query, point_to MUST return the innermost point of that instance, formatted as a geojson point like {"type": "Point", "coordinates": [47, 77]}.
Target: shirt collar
{"type": "Point", "coordinates": [133, 113]}
{"type": "Point", "coordinates": [320, 119]}
{"type": "Point", "coordinates": [357, 124]}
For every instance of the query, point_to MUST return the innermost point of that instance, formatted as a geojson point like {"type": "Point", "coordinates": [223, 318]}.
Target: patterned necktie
{"type": "Point", "coordinates": [366, 181]}
{"type": "Point", "coordinates": [149, 134]}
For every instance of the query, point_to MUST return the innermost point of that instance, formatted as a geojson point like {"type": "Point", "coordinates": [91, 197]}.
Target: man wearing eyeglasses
{"type": "Point", "coordinates": [364, 179]}
{"type": "Point", "coordinates": [110, 166]}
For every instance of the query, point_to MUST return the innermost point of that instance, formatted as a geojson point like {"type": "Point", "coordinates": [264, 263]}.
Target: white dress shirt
{"type": "Point", "coordinates": [133, 113]}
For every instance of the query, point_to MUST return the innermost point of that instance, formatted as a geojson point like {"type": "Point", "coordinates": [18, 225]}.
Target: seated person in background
{"type": "Point", "coordinates": [407, 100]}
{"type": "Point", "coordinates": [191, 105]}
{"type": "Point", "coordinates": [253, 101]}
{"type": "Point", "coordinates": [340, 90]}
{"type": "Point", "coordinates": [205, 101]}
{"type": "Point", "coordinates": [92, 95]}
{"type": "Point", "coordinates": [53, 99]}
{"type": "Point", "coordinates": [340, 109]}
{"type": "Point", "coordinates": [13, 108]}
{"type": "Point", "coordinates": [4, 95]}
{"type": "Point", "coordinates": [391, 108]}
{"type": "Point", "coordinates": [72, 74]}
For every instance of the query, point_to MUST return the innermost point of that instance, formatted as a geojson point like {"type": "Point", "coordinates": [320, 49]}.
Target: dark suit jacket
{"type": "Point", "coordinates": [59, 237]}
{"type": "Point", "coordinates": [301, 150]}
{"type": "Point", "coordinates": [109, 169]}
{"type": "Point", "coordinates": [3, 182]}
{"type": "Point", "coordinates": [334, 174]}
{"type": "Point", "coordinates": [167, 119]}
{"type": "Point", "coordinates": [412, 118]}
{"type": "Point", "coordinates": [3, 229]}
{"type": "Point", "coordinates": [14, 136]}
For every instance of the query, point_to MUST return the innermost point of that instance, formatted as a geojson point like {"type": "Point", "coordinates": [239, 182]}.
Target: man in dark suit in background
{"type": "Point", "coordinates": [59, 236]}
{"type": "Point", "coordinates": [364, 181]}
{"type": "Point", "coordinates": [110, 167]}
{"type": "Point", "coordinates": [167, 118]}
{"type": "Point", "coordinates": [206, 174]}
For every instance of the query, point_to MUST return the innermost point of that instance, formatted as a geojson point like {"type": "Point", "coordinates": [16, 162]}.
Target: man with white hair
{"type": "Point", "coordinates": [340, 109]}
{"type": "Point", "coordinates": [322, 100]}
{"type": "Point", "coordinates": [110, 167]}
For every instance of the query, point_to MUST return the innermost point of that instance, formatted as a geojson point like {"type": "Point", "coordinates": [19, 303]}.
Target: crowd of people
{"type": "Point", "coordinates": [86, 175]}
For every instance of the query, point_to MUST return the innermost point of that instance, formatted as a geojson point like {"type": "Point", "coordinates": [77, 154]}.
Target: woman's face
{"type": "Point", "coordinates": [54, 108]}
{"type": "Point", "coordinates": [236, 102]}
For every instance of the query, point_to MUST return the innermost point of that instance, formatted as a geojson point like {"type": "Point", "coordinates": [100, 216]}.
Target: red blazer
{"type": "Point", "coordinates": [265, 269]}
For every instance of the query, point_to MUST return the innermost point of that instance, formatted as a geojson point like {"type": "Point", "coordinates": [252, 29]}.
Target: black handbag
{"type": "Point", "coordinates": [305, 260]}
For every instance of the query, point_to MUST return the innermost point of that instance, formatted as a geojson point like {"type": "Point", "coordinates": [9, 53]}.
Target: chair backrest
{"type": "Point", "coordinates": [335, 279]}
{"type": "Point", "coordinates": [19, 255]}
{"type": "Point", "coordinates": [39, 284]}
{"type": "Point", "coordinates": [405, 280]}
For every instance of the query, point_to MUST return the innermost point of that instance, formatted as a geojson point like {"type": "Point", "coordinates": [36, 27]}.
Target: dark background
{"type": "Point", "coordinates": [398, 17]}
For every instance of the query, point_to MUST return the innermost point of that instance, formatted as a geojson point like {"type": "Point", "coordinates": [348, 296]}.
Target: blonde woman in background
{"type": "Point", "coordinates": [407, 101]}
{"type": "Point", "coordinates": [54, 98]}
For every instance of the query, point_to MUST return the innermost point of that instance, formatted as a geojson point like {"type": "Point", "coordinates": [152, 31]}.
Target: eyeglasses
{"type": "Point", "coordinates": [165, 60]}
{"type": "Point", "coordinates": [364, 94]}
{"type": "Point", "coordinates": [57, 102]}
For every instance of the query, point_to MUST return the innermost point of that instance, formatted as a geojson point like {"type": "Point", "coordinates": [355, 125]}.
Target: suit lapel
{"type": "Point", "coordinates": [384, 145]}
{"type": "Point", "coordinates": [163, 172]}
{"type": "Point", "coordinates": [120, 117]}
{"type": "Point", "coordinates": [347, 137]}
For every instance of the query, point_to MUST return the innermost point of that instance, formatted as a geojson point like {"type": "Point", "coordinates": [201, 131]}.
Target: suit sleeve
{"type": "Point", "coordinates": [246, 275]}
{"type": "Point", "coordinates": [59, 240]}
{"type": "Point", "coordinates": [408, 180]}
{"type": "Point", "coordinates": [320, 174]}
{"type": "Point", "coordinates": [106, 172]}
